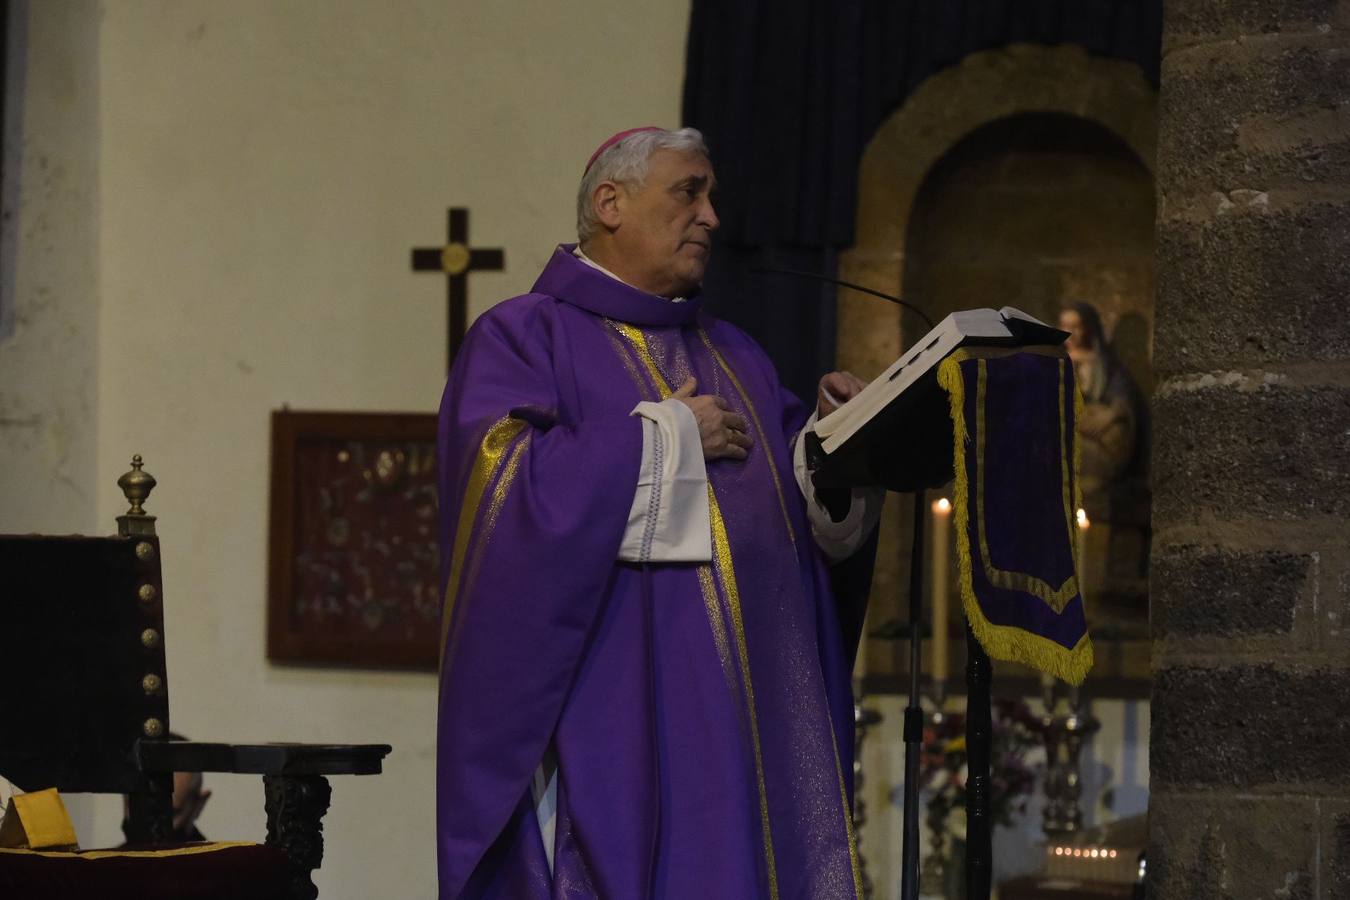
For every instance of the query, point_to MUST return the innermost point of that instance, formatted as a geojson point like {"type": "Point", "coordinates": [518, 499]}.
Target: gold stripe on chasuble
{"type": "Point", "coordinates": [638, 342]}
{"type": "Point", "coordinates": [1055, 598]}
{"type": "Point", "coordinates": [494, 509]}
{"type": "Point", "coordinates": [713, 605]}
{"type": "Point", "coordinates": [847, 811]}
{"type": "Point", "coordinates": [623, 349]}
{"type": "Point", "coordinates": [724, 570]}
{"type": "Point", "coordinates": [754, 417]}
{"type": "Point", "coordinates": [853, 862]}
{"type": "Point", "coordinates": [491, 452]}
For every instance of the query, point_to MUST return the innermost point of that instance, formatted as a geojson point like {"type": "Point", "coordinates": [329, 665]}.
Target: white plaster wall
{"type": "Point", "coordinates": [49, 320]}
{"type": "Point", "coordinates": [240, 185]}
{"type": "Point", "coordinates": [1115, 786]}
{"type": "Point", "coordinates": [48, 362]}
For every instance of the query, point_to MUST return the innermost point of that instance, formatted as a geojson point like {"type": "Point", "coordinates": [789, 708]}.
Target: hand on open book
{"type": "Point", "coordinates": [722, 431]}
{"type": "Point", "coordinates": [836, 389]}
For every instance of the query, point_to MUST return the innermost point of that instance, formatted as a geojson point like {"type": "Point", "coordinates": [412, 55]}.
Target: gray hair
{"type": "Point", "coordinates": [626, 162]}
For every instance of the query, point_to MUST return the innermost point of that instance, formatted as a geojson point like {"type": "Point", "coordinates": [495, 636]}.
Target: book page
{"type": "Point", "coordinates": [845, 421]}
{"type": "Point", "coordinates": [1012, 312]}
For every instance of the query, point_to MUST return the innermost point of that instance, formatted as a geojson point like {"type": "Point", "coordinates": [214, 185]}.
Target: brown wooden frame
{"type": "Point", "coordinates": [286, 644]}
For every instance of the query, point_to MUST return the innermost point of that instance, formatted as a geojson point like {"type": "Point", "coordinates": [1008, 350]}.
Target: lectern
{"type": "Point", "coordinates": [997, 417]}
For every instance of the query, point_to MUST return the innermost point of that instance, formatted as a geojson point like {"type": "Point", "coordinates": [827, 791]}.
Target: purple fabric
{"type": "Point", "coordinates": [637, 675]}
{"type": "Point", "coordinates": [1028, 481]}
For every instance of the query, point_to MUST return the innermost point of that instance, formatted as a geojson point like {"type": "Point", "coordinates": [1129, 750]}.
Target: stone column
{"type": "Point", "coordinates": [1250, 741]}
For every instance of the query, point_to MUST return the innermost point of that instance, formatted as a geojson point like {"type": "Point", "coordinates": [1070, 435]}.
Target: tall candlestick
{"type": "Point", "coordinates": [942, 511]}
{"type": "Point", "coordinates": [1083, 524]}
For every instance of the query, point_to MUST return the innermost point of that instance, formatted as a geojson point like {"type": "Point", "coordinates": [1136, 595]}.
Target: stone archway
{"type": "Point", "coordinates": [983, 88]}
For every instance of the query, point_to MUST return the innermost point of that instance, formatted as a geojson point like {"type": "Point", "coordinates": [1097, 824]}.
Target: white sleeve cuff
{"type": "Point", "coordinates": [669, 520]}
{"type": "Point", "coordinates": [838, 540]}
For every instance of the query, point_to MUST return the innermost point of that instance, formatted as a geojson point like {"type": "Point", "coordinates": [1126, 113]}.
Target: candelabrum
{"type": "Point", "coordinates": [1067, 726]}
{"type": "Point", "coordinates": [863, 719]}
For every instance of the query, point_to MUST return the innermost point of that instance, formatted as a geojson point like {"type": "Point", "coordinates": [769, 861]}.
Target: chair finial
{"type": "Point", "coordinates": [136, 486]}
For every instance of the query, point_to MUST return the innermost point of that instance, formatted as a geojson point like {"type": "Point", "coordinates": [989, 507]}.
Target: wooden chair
{"type": "Point", "coordinates": [84, 707]}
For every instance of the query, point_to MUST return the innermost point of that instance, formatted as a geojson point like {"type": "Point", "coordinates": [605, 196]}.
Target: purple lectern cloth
{"type": "Point", "coordinates": [701, 714]}
{"type": "Point", "coordinates": [1014, 420]}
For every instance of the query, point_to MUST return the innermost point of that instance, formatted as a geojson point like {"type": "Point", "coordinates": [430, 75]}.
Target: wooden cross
{"type": "Point", "coordinates": [457, 259]}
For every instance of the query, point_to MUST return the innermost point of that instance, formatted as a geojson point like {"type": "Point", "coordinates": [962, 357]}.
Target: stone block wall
{"type": "Point", "coordinates": [1250, 740]}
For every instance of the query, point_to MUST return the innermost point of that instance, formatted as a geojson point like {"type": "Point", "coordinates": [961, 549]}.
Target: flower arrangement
{"type": "Point", "coordinates": [1015, 731]}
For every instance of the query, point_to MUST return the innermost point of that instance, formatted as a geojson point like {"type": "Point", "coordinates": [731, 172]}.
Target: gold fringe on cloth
{"type": "Point", "coordinates": [1007, 642]}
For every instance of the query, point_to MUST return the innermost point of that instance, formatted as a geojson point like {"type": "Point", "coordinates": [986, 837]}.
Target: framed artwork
{"type": "Point", "coordinates": [354, 567]}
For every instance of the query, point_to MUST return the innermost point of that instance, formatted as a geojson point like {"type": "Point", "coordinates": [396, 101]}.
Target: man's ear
{"type": "Point", "coordinates": [605, 203]}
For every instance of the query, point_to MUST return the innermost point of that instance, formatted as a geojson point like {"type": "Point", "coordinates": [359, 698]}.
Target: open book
{"type": "Point", "coordinates": [1005, 327]}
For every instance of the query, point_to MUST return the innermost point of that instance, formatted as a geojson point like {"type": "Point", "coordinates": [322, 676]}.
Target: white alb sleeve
{"type": "Point", "coordinates": [838, 540]}
{"type": "Point", "coordinates": [669, 519]}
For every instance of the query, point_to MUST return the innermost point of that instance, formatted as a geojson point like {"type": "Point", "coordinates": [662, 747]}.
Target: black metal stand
{"type": "Point", "coordinates": [909, 872]}
{"type": "Point", "coordinates": [979, 735]}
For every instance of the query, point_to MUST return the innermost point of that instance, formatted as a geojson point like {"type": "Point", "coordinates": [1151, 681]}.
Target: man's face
{"type": "Point", "coordinates": [665, 232]}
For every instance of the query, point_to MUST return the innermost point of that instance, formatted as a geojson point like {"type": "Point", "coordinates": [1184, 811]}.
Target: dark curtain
{"type": "Point", "coordinates": [789, 92]}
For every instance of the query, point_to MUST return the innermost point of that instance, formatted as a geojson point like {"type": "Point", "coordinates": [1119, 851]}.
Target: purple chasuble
{"type": "Point", "coordinates": [701, 714]}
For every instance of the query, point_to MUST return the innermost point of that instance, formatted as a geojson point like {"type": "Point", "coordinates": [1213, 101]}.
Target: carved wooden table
{"type": "Point", "coordinates": [295, 786]}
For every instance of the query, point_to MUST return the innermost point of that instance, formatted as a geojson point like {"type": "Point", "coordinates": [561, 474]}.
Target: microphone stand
{"type": "Point", "coordinates": [979, 738]}
{"type": "Point", "coordinates": [913, 730]}
{"type": "Point", "coordinates": [979, 786]}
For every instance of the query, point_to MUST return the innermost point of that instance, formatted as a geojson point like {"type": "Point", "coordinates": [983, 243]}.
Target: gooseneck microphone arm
{"type": "Point", "coordinates": [764, 270]}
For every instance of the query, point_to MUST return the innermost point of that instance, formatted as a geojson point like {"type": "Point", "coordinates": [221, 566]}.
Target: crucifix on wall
{"type": "Point", "coordinates": [457, 259]}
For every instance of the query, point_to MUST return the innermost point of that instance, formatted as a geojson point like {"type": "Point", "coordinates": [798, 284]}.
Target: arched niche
{"type": "Point", "coordinates": [954, 126]}
{"type": "Point", "coordinates": [1038, 211]}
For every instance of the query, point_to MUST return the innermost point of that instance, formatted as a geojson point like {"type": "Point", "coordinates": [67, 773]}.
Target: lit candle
{"type": "Point", "coordinates": [942, 510]}
{"type": "Point", "coordinates": [1083, 524]}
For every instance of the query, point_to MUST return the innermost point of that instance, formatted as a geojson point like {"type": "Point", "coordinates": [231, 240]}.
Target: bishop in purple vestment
{"type": "Point", "coordinates": [644, 683]}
